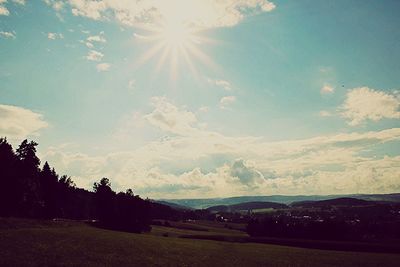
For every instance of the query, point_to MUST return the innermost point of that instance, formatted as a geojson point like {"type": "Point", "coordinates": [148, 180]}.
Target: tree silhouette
{"type": "Point", "coordinates": [26, 190]}
{"type": "Point", "coordinates": [104, 197]}
{"type": "Point", "coordinates": [28, 172]}
{"type": "Point", "coordinates": [9, 192]}
{"type": "Point", "coordinates": [49, 191]}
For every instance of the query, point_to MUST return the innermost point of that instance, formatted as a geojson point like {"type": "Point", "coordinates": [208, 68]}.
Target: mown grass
{"type": "Point", "coordinates": [77, 244]}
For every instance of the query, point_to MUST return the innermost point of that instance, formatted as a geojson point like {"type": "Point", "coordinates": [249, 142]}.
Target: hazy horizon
{"type": "Point", "coordinates": [208, 100]}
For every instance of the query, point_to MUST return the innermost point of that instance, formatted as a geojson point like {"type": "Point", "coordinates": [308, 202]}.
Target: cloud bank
{"type": "Point", "coordinates": [198, 13]}
{"type": "Point", "coordinates": [18, 123]}
{"type": "Point", "coordinates": [190, 161]}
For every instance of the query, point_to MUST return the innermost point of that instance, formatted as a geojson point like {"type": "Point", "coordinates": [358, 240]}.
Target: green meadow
{"type": "Point", "coordinates": [47, 243]}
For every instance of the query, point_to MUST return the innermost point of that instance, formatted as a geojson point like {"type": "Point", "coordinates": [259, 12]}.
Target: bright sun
{"type": "Point", "coordinates": [175, 34]}
{"type": "Point", "coordinates": [177, 42]}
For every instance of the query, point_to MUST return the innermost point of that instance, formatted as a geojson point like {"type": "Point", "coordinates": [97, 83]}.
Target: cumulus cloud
{"type": "Point", "coordinates": [96, 38]}
{"type": "Point", "coordinates": [200, 13]}
{"type": "Point", "coordinates": [51, 36]}
{"type": "Point", "coordinates": [327, 89]}
{"type": "Point", "coordinates": [103, 67]}
{"type": "Point", "coordinates": [246, 173]}
{"type": "Point", "coordinates": [54, 36]}
{"type": "Point", "coordinates": [226, 101]}
{"type": "Point", "coordinates": [204, 109]}
{"type": "Point", "coordinates": [17, 122]}
{"type": "Point", "coordinates": [324, 113]}
{"type": "Point", "coordinates": [94, 55]}
{"type": "Point", "coordinates": [221, 83]}
{"type": "Point", "coordinates": [142, 170]}
{"type": "Point", "coordinates": [57, 5]}
{"type": "Point", "coordinates": [170, 118]}
{"type": "Point", "coordinates": [3, 10]}
{"type": "Point", "coordinates": [190, 161]}
{"type": "Point", "coordinates": [7, 35]}
{"type": "Point", "coordinates": [364, 104]}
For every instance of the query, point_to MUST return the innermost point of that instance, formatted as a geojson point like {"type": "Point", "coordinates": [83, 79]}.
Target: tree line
{"type": "Point", "coordinates": [28, 190]}
{"type": "Point", "coordinates": [379, 221]}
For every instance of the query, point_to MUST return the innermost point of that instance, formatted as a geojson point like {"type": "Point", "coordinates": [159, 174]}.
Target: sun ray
{"type": "Point", "coordinates": [149, 54]}
{"type": "Point", "coordinates": [177, 42]}
{"type": "Point", "coordinates": [162, 59]}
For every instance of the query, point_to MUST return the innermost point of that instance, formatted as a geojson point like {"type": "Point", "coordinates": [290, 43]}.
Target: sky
{"type": "Point", "coordinates": [207, 98]}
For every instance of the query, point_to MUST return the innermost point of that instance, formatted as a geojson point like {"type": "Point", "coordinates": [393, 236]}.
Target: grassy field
{"type": "Point", "coordinates": [41, 243]}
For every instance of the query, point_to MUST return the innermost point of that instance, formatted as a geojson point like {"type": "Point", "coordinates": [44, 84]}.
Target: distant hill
{"type": "Point", "coordinates": [344, 201]}
{"type": "Point", "coordinates": [173, 205]}
{"type": "Point", "coordinates": [209, 202]}
{"type": "Point", "coordinates": [247, 206]}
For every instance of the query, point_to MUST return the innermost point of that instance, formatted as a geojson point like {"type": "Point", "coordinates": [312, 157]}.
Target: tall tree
{"type": "Point", "coordinates": [9, 193]}
{"type": "Point", "coordinates": [104, 197]}
{"type": "Point", "coordinates": [49, 191]}
{"type": "Point", "coordinates": [28, 172]}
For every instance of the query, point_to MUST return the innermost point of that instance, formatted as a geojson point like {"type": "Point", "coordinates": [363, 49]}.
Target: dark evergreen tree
{"type": "Point", "coordinates": [9, 191]}
{"type": "Point", "coordinates": [28, 191]}
{"type": "Point", "coordinates": [104, 197]}
{"type": "Point", "coordinates": [49, 191]}
{"type": "Point", "coordinates": [132, 212]}
{"type": "Point", "coordinates": [30, 203]}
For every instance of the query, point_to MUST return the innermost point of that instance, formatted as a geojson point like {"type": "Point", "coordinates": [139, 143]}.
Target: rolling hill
{"type": "Point", "coordinates": [247, 206]}
{"type": "Point", "coordinates": [209, 202]}
{"type": "Point", "coordinates": [344, 201]}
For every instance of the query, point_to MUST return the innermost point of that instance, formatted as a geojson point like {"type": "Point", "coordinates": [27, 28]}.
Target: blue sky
{"type": "Point", "coordinates": [242, 97]}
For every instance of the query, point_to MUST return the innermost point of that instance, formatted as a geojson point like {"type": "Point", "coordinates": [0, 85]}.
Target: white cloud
{"type": "Point", "coordinates": [224, 84]}
{"type": "Point", "coordinates": [247, 173]}
{"type": "Point", "coordinates": [96, 38]}
{"type": "Point", "coordinates": [3, 10]}
{"type": "Point", "coordinates": [364, 103]}
{"type": "Point", "coordinates": [88, 8]}
{"type": "Point", "coordinates": [324, 113]}
{"type": "Point", "coordinates": [140, 36]}
{"type": "Point", "coordinates": [8, 35]}
{"type": "Point", "coordinates": [170, 118]}
{"type": "Point", "coordinates": [51, 36]}
{"type": "Point", "coordinates": [89, 45]}
{"type": "Point", "coordinates": [204, 109]}
{"type": "Point", "coordinates": [221, 83]}
{"type": "Point", "coordinates": [201, 13]}
{"type": "Point", "coordinates": [54, 36]}
{"type": "Point", "coordinates": [94, 55]}
{"type": "Point", "coordinates": [227, 101]}
{"type": "Point", "coordinates": [103, 67]}
{"type": "Point", "coordinates": [331, 171]}
{"type": "Point", "coordinates": [193, 162]}
{"type": "Point", "coordinates": [327, 89]}
{"type": "Point", "coordinates": [57, 5]}
{"type": "Point", "coordinates": [18, 123]}
{"type": "Point", "coordinates": [132, 85]}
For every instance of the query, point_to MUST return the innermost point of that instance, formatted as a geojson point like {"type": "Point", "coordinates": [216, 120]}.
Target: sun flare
{"type": "Point", "coordinates": [177, 42]}
{"type": "Point", "coordinates": [175, 34]}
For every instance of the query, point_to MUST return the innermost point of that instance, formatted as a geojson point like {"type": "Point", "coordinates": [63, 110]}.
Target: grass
{"type": "Point", "coordinates": [38, 243]}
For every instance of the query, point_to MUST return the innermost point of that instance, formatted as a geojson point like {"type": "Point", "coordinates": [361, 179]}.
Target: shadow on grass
{"type": "Point", "coordinates": [389, 247]}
